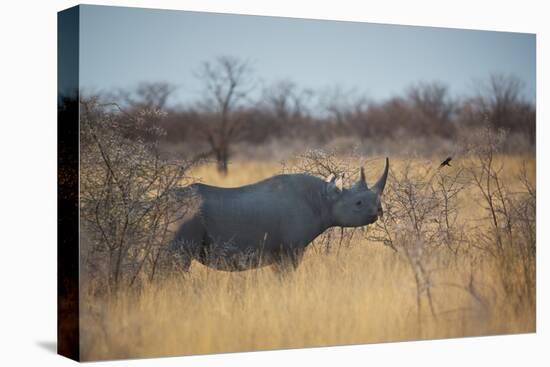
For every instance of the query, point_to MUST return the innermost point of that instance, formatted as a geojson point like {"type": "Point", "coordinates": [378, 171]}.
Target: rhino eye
{"type": "Point", "coordinates": [358, 203]}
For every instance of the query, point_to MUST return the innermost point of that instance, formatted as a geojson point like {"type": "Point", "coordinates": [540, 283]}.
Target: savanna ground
{"type": "Point", "coordinates": [351, 292]}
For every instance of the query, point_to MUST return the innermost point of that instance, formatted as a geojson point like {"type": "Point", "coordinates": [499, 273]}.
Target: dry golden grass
{"type": "Point", "coordinates": [365, 294]}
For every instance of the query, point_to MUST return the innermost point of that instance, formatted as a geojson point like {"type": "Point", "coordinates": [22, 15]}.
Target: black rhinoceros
{"type": "Point", "coordinates": [270, 222]}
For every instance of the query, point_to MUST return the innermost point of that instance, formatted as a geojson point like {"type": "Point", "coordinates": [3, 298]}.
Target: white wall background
{"type": "Point", "coordinates": [28, 181]}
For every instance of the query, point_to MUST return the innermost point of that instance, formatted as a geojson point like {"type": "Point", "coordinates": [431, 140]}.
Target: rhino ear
{"type": "Point", "coordinates": [340, 182]}
{"type": "Point", "coordinates": [333, 189]}
{"type": "Point", "coordinates": [337, 181]}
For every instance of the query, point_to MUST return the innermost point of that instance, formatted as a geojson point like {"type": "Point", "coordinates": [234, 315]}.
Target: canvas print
{"type": "Point", "coordinates": [234, 183]}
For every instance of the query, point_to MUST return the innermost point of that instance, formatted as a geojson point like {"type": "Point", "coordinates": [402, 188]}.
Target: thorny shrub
{"type": "Point", "coordinates": [128, 194]}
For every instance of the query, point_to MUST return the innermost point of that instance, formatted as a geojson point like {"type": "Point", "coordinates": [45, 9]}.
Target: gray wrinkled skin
{"type": "Point", "coordinates": [270, 222]}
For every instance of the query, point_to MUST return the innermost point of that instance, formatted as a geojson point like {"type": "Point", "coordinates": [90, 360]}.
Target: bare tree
{"type": "Point", "coordinates": [227, 82]}
{"type": "Point", "coordinates": [435, 106]}
{"type": "Point", "coordinates": [499, 97]}
{"type": "Point", "coordinates": [343, 107]}
{"type": "Point", "coordinates": [148, 95]}
{"type": "Point", "coordinates": [500, 100]}
{"type": "Point", "coordinates": [286, 100]}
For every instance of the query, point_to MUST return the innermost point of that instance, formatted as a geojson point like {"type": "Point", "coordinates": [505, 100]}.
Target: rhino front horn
{"type": "Point", "coordinates": [381, 183]}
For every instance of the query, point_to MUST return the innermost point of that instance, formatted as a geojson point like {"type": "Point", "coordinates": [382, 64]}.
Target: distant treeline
{"type": "Point", "coordinates": [227, 114]}
{"type": "Point", "coordinates": [425, 110]}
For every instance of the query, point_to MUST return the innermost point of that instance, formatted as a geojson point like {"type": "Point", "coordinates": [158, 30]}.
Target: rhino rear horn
{"type": "Point", "coordinates": [362, 183]}
{"type": "Point", "coordinates": [381, 183]}
{"type": "Point", "coordinates": [363, 180]}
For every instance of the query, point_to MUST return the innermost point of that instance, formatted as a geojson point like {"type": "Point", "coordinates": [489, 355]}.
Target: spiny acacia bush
{"type": "Point", "coordinates": [128, 195]}
{"type": "Point", "coordinates": [421, 222]}
{"type": "Point", "coordinates": [511, 214]}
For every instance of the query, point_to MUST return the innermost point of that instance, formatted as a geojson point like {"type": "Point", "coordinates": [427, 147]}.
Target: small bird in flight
{"type": "Point", "coordinates": [446, 162]}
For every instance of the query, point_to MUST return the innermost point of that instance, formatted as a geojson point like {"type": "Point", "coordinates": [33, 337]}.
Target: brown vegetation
{"type": "Point", "coordinates": [235, 117]}
{"type": "Point", "coordinates": [454, 255]}
{"type": "Point", "coordinates": [363, 292]}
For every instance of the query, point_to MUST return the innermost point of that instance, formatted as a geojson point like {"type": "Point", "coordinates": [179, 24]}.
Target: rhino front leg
{"type": "Point", "coordinates": [288, 261]}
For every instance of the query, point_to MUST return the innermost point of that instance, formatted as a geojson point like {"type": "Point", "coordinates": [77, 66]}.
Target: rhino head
{"type": "Point", "coordinates": [358, 205]}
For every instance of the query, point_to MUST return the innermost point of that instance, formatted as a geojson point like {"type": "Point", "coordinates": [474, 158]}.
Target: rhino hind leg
{"type": "Point", "coordinates": [181, 262]}
{"type": "Point", "coordinates": [186, 245]}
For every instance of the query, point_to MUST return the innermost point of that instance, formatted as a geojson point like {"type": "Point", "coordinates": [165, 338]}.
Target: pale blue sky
{"type": "Point", "coordinates": [121, 47]}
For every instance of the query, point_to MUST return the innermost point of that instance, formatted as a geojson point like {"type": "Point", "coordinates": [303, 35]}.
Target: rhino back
{"type": "Point", "coordinates": [272, 213]}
